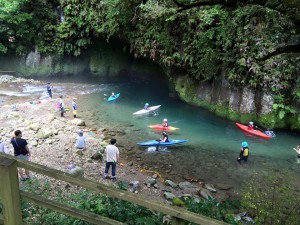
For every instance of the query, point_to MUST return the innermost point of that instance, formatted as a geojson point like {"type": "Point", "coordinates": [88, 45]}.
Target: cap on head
{"type": "Point", "coordinates": [251, 123]}
{"type": "Point", "coordinates": [74, 98]}
{"type": "Point", "coordinates": [244, 144]}
{"type": "Point", "coordinates": [165, 120]}
{"type": "Point", "coordinates": [147, 104]}
{"type": "Point", "coordinates": [80, 132]}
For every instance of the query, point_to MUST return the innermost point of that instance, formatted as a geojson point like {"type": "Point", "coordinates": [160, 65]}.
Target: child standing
{"type": "Point", "coordinates": [75, 107]}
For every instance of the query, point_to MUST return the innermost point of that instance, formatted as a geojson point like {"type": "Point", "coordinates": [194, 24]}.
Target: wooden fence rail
{"type": "Point", "coordinates": [10, 196]}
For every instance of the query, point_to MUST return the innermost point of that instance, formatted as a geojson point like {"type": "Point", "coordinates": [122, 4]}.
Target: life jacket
{"type": "Point", "coordinates": [58, 104]}
{"type": "Point", "coordinates": [246, 152]}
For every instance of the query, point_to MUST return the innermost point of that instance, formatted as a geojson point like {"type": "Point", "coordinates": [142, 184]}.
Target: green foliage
{"type": "Point", "coordinates": [214, 209]}
{"type": "Point", "coordinates": [22, 24]}
{"type": "Point", "coordinates": [270, 200]}
{"type": "Point", "coordinates": [87, 200]}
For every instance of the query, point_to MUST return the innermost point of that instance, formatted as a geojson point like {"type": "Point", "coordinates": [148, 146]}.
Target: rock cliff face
{"type": "Point", "coordinates": [235, 103]}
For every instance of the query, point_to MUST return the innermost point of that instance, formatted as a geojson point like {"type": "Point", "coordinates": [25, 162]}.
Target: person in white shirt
{"type": "Point", "coordinates": [80, 142]}
{"type": "Point", "coordinates": [112, 157]}
{"type": "Point", "coordinates": [3, 148]}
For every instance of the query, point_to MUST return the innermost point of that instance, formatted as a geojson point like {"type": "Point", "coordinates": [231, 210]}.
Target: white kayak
{"type": "Point", "coordinates": [145, 111]}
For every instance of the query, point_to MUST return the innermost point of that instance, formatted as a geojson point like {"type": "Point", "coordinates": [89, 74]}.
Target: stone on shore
{"type": "Point", "coordinates": [205, 193]}
{"type": "Point", "coordinates": [185, 185]}
{"type": "Point", "coordinates": [171, 184]}
{"type": "Point", "coordinates": [169, 196]}
{"type": "Point", "coordinates": [34, 126]}
{"type": "Point", "coordinates": [78, 122]}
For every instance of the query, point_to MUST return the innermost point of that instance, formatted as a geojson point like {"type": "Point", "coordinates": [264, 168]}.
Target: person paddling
{"type": "Point", "coordinates": [164, 137]}
{"type": "Point", "coordinates": [165, 123]}
{"type": "Point", "coordinates": [146, 106]}
{"type": "Point", "coordinates": [251, 126]}
{"type": "Point", "coordinates": [113, 95]}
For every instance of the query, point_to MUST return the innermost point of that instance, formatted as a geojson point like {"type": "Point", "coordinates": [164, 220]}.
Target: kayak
{"type": "Point", "coordinates": [145, 111]}
{"type": "Point", "coordinates": [158, 143]}
{"type": "Point", "coordinates": [254, 132]}
{"type": "Point", "coordinates": [111, 98]}
{"type": "Point", "coordinates": [161, 127]}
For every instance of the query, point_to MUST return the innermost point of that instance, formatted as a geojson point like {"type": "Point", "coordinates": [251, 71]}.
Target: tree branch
{"type": "Point", "coordinates": [228, 3]}
{"type": "Point", "coordinates": [282, 49]}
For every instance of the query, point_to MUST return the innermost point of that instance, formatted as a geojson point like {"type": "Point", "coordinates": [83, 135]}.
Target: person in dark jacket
{"type": "Point", "coordinates": [21, 151]}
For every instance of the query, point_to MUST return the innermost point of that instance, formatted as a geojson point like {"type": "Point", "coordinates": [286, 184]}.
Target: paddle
{"type": "Point", "coordinates": [259, 129]}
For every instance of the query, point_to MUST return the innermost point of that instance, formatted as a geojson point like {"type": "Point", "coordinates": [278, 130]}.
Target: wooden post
{"type": "Point", "coordinates": [10, 195]}
{"type": "Point", "coordinates": [177, 221]}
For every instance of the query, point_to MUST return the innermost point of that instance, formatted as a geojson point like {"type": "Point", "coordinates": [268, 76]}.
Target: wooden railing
{"type": "Point", "coordinates": [10, 196]}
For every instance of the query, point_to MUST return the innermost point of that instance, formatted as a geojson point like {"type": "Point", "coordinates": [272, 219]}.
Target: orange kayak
{"type": "Point", "coordinates": [161, 127]}
{"type": "Point", "coordinates": [254, 132]}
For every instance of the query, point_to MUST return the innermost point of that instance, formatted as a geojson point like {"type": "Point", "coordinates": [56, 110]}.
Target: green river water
{"type": "Point", "coordinates": [213, 142]}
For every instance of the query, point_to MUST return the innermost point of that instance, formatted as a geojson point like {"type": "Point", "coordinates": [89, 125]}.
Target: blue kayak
{"type": "Point", "coordinates": [111, 98]}
{"type": "Point", "coordinates": [158, 143]}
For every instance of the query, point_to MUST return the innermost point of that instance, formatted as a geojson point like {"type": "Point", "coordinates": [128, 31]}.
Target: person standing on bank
{"type": "Point", "coordinates": [62, 106]}
{"type": "Point", "coordinates": [49, 90]}
{"type": "Point", "coordinates": [75, 107]}
{"type": "Point", "coordinates": [21, 151]}
{"type": "Point", "coordinates": [112, 157]}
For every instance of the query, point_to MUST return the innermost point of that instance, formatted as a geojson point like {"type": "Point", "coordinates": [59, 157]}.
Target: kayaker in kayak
{"type": "Point", "coordinates": [113, 95]}
{"type": "Point", "coordinates": [165, 123]}
{"type": "Point", "coordinates": [164, 137]}
{"type": "Point", "coordinates": [251, 126]}
{"type": "Point", "coordinates": [146, 106]}
{"type": "Point", "coordinates": [244, 152]}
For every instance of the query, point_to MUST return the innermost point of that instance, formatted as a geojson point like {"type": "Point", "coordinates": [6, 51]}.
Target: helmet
{"type": "Point", "coordinates": [147, 104]}
{"type": "Point", "coordinates": [165, 120]}
{"type": "Point", "coordinates": [113, 93]}
{"type": "Point", "coordinates": [164, 133]}
{"type": "Point", "coordinates": [251, 123]}
{"type": "Point", "coordinates": [244, 144]}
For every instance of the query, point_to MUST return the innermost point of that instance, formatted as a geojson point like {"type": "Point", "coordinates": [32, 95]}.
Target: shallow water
{"type": "Point", "coordinates": [213, 143]}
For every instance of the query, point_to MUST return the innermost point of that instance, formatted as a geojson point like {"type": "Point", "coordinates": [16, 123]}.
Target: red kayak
{"type": "Point", "coordinates": [254, 132]}
{"type": "Point", "coordinates": [161, 127]}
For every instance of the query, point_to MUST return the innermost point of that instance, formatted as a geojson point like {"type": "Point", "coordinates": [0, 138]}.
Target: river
{"type": "Point", "coordinates": [213, 142]}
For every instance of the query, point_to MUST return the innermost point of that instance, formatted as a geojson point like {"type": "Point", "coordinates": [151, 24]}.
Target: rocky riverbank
{"type": "Point", "coordinates": [51, 139]}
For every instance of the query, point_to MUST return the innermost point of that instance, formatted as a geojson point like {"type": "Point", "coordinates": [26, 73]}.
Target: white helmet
{"type": "Point", "coordinates": [165, 120]}
{"type": "Point", "coordinates": [112, 93]}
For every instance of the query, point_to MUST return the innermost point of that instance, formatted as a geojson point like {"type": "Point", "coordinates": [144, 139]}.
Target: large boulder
{"type": "Point", "coordinates": [47, 132]}
{"type": "Point", "coordinates": [34, 126]}
{"type": "Point", "coordinates": [185, 185]}
{"type": "Point", "coordinates": [78, 122]}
